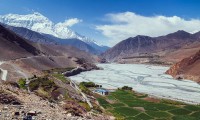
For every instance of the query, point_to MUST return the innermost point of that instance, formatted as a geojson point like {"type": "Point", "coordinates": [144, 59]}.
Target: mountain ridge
{"type": "Point", "coordinates": [50, 39]}
{"type": "Point", "coordinates": [39, 23]}
{"type": "Point", "coordinates": [160, 46]}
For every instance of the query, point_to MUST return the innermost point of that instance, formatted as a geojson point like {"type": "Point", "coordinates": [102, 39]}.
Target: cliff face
{"type": "Point", "coordinates": [188, 68]}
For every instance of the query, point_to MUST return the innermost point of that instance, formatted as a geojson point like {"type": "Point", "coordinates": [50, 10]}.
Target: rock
{"type": "Point", "coordinates": [74, 71]}
{"type": "Point", "coordinates": [112, 118]}
{"type": "Point", "coordinates": [69, 115]}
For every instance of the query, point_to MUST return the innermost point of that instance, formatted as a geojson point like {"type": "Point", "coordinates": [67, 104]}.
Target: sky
{"type": "Point", "coordinates": [111, 21]}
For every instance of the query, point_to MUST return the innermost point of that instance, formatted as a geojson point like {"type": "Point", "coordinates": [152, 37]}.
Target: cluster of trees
{"type": "Point", "coordinates": [85, 85]}
{"type": "Point", "coordinates": [90, 84]}
{"type": "Point", "coordinates": [127, 88]}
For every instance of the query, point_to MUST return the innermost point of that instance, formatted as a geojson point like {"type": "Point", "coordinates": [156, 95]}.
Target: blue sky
{"type": "Point", "coordinates": [98, 16]}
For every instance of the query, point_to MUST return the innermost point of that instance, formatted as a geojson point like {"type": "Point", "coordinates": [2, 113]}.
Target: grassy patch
{"type": "Point", "coordinates": [184, 117]}
{"type": "Point", "coordinates": [85, 105]}
{"type": "Point", "coordinates": [126, 111]}
{"type": "Point", "coordinates": [40, 92]}
{"type": "Point", "coordinates": [58, 70]}
{"type": "Point", "coordinates": [143, 116]}
{"type": "Point", "coordinates": [117, 105]}
{"type": "Point", "coordinates": [61, 77]}
{"type": "Point", "coordinates": [84, 89]}
{"type": "Point", "coordinates": [196, 114]}
{"type": "Point", "coordinates": [158, 114]}
{"type": "Point", "coordinates": [192, 107]}
{"type": "Point", "coordinates": [22, 83]}
{"type": "Point", "coordinates": [180, 111]}
{"type": "Point", "coordinates": [110, 97]}
{"type": "Point", "coordinates": [102, 101]}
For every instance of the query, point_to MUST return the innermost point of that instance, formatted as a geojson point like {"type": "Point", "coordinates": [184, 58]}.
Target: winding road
{"type": "Point", "coordinates": [4, 73]}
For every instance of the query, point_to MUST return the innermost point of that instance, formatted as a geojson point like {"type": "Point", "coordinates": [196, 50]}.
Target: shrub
{"type": "Point", "coordinates": [88, 84]}
{"type": "Point", "coordinates": [84, 89]}
{"type": "Point", "coordinates": [43, 82]}
{"type": "Point", "coordinates": [62, 78]}
{"type": "Point", "coordinates": [127, 88]}
{"type": "Point", "coordinates": [22, 83]}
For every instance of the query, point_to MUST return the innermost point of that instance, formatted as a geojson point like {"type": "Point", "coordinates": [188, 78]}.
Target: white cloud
{"type": "Point", "coordinates": [129, 24]}
{"type": "Point", "coordinates": [70, 22]}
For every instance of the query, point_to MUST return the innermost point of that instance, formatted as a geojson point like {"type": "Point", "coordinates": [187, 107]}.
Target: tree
{"type": "Point", "coordinates": [127, 88]}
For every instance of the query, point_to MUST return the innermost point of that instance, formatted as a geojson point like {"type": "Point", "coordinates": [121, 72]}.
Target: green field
{"type": "Point", "coordinates": [128, 105]}
{"type": "Point", "coordinates": [62, 78]}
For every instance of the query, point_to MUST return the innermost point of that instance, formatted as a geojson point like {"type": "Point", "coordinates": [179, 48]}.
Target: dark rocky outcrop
{"type": "Point", "coordinates": [84, 66]}
{"type": "Point", "coordinates": [6, 98]}
{"type": "Point", "coordinates": [74, 71]}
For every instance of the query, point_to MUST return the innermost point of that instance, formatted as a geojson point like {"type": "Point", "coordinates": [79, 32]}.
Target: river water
{"type": "Point", "coordinates": [147, 79]}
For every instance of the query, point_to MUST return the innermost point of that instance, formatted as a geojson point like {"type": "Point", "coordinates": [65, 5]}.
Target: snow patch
{"type": "Point", "coordinates": [39, 23]}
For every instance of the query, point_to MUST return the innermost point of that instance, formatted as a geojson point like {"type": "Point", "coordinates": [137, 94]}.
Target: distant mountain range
{"type": "Point", "coordinates": [160, 48]}
{"type": "Point", "coordinates": [41, 29]}
{"type": "Point", "coordinates": [13, 46]}
{"type": "Point", "coordinates": [49, 39]}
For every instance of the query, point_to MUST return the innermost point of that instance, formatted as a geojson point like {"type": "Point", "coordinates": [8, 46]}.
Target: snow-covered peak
{"type": "Point", "coordinates": [39, 23]}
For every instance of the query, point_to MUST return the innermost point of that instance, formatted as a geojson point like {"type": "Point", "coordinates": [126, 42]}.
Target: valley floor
{"type": "Point", "coordinates": [148, 79]}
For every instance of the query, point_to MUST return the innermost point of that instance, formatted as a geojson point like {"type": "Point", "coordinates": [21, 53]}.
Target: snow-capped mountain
{"type": "Point", "coordinates": [39, 23]}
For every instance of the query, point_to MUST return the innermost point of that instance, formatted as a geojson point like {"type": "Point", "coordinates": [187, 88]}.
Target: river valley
{"type": "Point", "coordinates": [147, 79]}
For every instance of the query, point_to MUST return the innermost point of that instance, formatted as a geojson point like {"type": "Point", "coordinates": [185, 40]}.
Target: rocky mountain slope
{"type": "Point", "coordinates": [13, 46]}
{"type": "Point", "coordinates": [41, 24]}
{"type": "Point", "coordinates": [50, 99]}
{"type": "Point", "coordinates": [187, 68]}
{"type": "Point", "coordinates": [153, 49]}
{"type": "Point", "coordinates": [30, 35]}
{"type": "Point", "coordinates": [75, 43]}
{"type": "Point", "coordinates": [49, 39]}
{"type": "Point", "coordinates": [24, 58]}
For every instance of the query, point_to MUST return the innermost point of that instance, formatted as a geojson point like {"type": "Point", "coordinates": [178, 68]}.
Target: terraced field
{"type": "Point", "coordinates": [128, 105]}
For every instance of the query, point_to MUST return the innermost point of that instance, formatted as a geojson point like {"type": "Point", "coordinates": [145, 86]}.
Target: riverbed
{"type": "Point", "coordinates": [147, 79]}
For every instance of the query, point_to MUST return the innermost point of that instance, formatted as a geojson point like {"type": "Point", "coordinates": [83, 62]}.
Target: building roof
{"type": "Point", "coordinates": [101, 90]}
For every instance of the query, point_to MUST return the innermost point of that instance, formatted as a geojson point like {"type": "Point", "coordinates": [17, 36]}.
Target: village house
{"type": "Point", "coordinates": [101, 91]}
